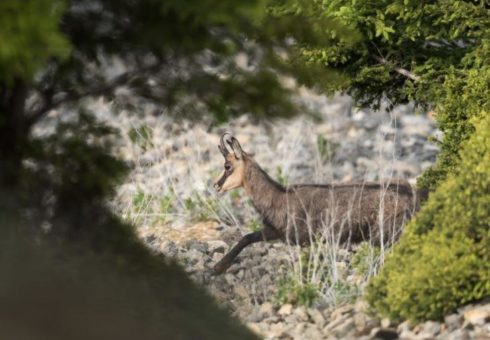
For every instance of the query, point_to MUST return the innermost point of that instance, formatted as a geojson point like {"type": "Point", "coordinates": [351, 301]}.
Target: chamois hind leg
{"type": "Point", "coordinates": [266, 234]}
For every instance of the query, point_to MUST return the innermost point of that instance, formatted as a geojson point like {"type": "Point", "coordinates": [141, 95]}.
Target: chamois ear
{"type": "Point", "coordinates": [236, 147]}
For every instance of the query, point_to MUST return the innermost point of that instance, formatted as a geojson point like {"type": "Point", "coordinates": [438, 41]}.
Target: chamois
{"type": "Point", "coordinates": [353, 211]}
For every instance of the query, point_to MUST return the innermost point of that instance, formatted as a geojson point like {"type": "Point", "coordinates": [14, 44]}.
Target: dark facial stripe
{"type": "Point", "coordinates": [221, 181]}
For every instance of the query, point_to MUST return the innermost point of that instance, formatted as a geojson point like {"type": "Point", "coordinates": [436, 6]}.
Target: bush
{"type": "Point", "coordinates": [365, 259]}
{"type": "Point", "coordinates": [292, 291]}
{"type": "Point", "coordinates": [103, 284]}
{"type": "Point", "coordinates": [443, 259]}
{"type": "Point", "coordinates": [463, 96]}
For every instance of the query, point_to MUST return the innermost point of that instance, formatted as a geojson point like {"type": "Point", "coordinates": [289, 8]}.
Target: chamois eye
{"type": "Point", "coordinates": [227, 167]}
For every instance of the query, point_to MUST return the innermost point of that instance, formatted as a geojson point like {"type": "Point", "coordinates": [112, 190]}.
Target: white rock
{"type": "Point", "coordinates": [317, 317]}
{"type": "Point", "coordinates": [385, 323]}
{"type": "Point", "coordinates": [453, 321]}
{"type": "Point", "coordinates": [430, 329]}
{"type": "Point", "coordinates": [254, 327]}
{"type": "Point", "coordinates": [344, 328]}
{"type": "Point", "coordinates": [276, 330]}
{"type": "Point", "coordinates": [301, 314]}
{"type": "Point", "coordinates": [266, 309]}
{"type": "Point", "coordinates": [478, 315]}
{"type": "Point", "coordinates": [217, 246]}
{"type": "Point", "coordinates": [285, 310]}
{"type": "Point", "coordinates": [361, 306]}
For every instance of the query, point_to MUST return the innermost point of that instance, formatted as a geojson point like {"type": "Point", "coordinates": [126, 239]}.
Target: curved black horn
{"type": "Point", "coordinates": [236, 147]}
{"type": "Point", "coordinates": [222, 146]}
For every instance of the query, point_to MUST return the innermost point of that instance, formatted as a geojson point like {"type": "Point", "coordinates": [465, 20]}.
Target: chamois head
{"type": "Point", "coordinates": [234, 172]}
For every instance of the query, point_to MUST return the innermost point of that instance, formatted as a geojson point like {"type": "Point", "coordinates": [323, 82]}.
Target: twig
{"type": "Point", "coordinates": [102, 90]}
{"type": "Point", "coordinates": [400, 70]}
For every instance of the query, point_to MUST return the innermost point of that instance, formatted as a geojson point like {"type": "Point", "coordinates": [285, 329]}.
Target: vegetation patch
{"type": "Point", "coordinates": [443, 259]}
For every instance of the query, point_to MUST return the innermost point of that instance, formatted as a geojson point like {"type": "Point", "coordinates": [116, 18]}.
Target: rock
{"type": "Point", "coordinates": [340, 311]}
{"type": "Point", "coordinates": [169, 248]}
{"type": "Point", "coordinates": [216, 257]}
{"type": "Point", "coordinates": [360, 321]}
{"type": "Point", "coordinates": [276, 330]}
{"type": "Point", "coordinates": [312, 333]}
{"type": "Point", "coordinates": [384, 334]}
{"type": "Point", "coordinates": [404, 327]}
{"type": "Point", "coordinates": [334, 323]}
{"type": "Point", "coordinates": [386, 323]}
{"type": "Point", "coordinates": [273, 319]}
{"type": "Point", "coordinates": [407, 334]}
{"type": "Point", "coordinates": [301, 314]}
{"type": "Point", "coordinates": [241, 291]}
{"type": "Point", "coordinates": [364, 324]}
{"type": "Point", "coordinates": [361, 306]}
{"type": "Point", "coordinates": [453, 321]}
{"type": "Point", "coordinates": [254, 327]}
{"type": "Point", "coordinates": [266, 309]}
{"type": "Point", "coordinates": [240, 274]}
{"type": "Point", "coordinates": [285, 310]}
{"type": "Point", "coordinates": [317, 317]}
{"type": "Point", "coordinates": [344, 328]}
{"type": "Point", "coordinates": [429, 329]}
{"type": "Point", "coordinates": [193, 256]}
{"type": "Point", "coordinates": [298, 331]}
{"type": "Point", "coordinates": [252, 317]}
{"type": "Point", "coordinates": [230, 279]}
{"type": "Point", "coordinates": [290, 319]}
{"type": "Point", "coordinates": [478, 315]}
{"type": "Point", "coordinates": [364, 138]}
{"type": "Point", "coordinates": [217, 246]}
{"type": "Point", "coordinates": [459, 334]}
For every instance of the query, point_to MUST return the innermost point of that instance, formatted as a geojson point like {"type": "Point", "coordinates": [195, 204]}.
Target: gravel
{"type": "Point", "coordinates": [347, 144]}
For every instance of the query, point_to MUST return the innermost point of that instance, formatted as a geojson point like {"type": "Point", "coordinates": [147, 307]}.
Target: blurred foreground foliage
{"type": "Point", "coordinates": [105, 284]}
{"type": "Point", "coordinates": [443, 258]}
{"type": "Point", "coordinates": [72, 269]}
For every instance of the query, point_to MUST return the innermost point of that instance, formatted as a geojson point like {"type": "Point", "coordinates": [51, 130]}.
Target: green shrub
{"type": "Point", "coordinates": [345, 292]}
{"type": "Point", "coordinates": [294, 292]}
{"type": "Point", "coordinates": [443, 259]}
{"type": "Point", "coordinates": [166, 204]}
{"type": "Point", "coordinates": [201, 207]}
{"type": "Point", "coordinates": [255, 225]}
{"type": "Point", "coordinates": [281, 177]}
{"type": "Point", "coordinates": [463, 96]}
{"type": "Point", "coordinates": [142, 201]}
{"type": "Point", "coordinates": [365, 258]}
{"type": "Point", "coordinates": [325, 148]}
{"type": "Point", "coordinates": [141, 136]}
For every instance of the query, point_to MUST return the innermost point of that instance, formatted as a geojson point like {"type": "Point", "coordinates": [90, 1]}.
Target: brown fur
{"type": "Point", "coordinates": [351, 210]}
{"type": "Point", "coordinates": [346, 212]}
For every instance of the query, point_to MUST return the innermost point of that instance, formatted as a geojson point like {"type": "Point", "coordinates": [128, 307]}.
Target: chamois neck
{"type": "Point", "coordinates": [261, 188]}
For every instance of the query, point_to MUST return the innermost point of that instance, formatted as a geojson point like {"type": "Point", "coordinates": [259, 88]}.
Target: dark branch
{"type": "Point", "coordinates": [105, 90]}
{"type": "Point", "coordinates": [400, 70]}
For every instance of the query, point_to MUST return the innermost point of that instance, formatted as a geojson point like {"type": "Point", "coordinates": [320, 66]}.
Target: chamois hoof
{"type": "Point", "coordinates": [219, 268]}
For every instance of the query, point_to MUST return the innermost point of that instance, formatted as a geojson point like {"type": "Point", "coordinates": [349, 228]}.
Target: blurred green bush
{"type": "Point", "coordinates": [443, 259]}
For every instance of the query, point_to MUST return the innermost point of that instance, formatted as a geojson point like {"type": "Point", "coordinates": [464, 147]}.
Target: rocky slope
{"type": "Point", "coordinates": [169, 198]}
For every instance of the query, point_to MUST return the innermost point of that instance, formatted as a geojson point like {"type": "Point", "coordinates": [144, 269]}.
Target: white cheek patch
{"type": "Point", "coordinates": [233, 181]}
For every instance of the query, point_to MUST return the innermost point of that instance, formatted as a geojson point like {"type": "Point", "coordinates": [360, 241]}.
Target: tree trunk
{"type": "Point", "coordinates": [13, 133]}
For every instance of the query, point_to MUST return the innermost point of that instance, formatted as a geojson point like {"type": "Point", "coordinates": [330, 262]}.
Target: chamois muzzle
{"type": "Point", "coordinates": [218, 185]}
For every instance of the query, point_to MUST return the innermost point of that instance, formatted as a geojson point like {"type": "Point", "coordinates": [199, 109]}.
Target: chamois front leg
{"type": "Point", "coordinates": [266, 234]}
